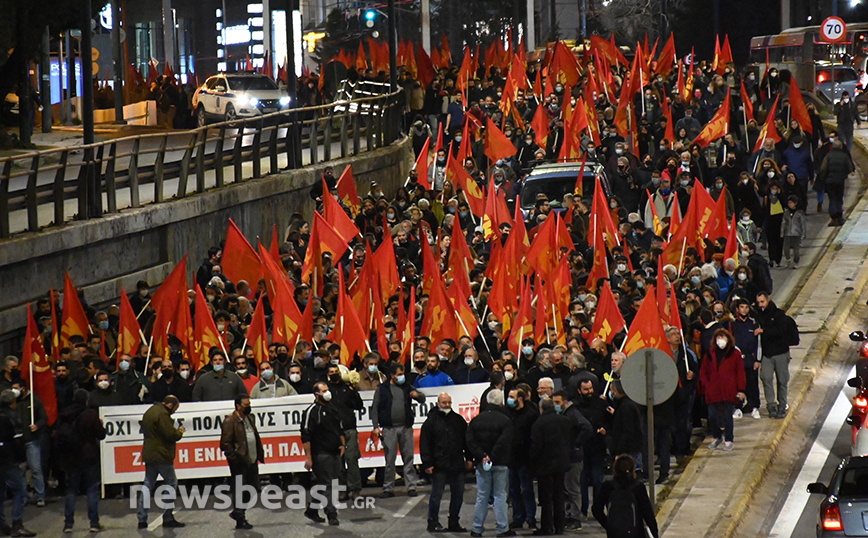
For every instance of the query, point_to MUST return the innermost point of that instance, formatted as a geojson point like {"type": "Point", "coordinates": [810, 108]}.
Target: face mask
{"type": "Point", "coordinates": [221, 327]}
{"type": "Point", "coordinates": [797, 146]}
{"type": "Point", "coordinates": [619, 151]}
{"type": "Point", "coordinates": [655, 180]}
{"type": "Point", "coordinates": [463, 214]}
{"type": "Point", "coordinates": [419, 364]}
{"type": "Point", "coordinates": [103, 325]}
{"type": "Point", "coordinates": [327, 396]}
{"type": "Point", "coordinates": [218, 368]}
{"type": "Point", "coordinates": [590, 305]}
{"type": "Point", "coordinates": [295, 378]}
{"type": "Point", "coordinates": [390, 216]}
{"type": "Point", "coordinates": [468, 361]}
{"type": "Point", "coordinates": [267, 374]}
{"type": "Point", "coordinates": [771, 174]}
{"type": "Point", "coordinates": [718, 186]}
{"type": "Point", "coordinates": [745, 219]}
{"type": "Point", "coordinates": [845, 100]}
{"type": "Point", "coordinates": [486, 466]}
{"type": "Point", "coordinates": [144, 292]}
{"type": "Point", "coordinates": [509, 376]}
{"type": "Point", "coordinates": [622, 267]}
{"type": "Point", "coordinates": [246, 410]}
{"type": "Point", "coordinates": [211, 298]}
{"type": "Point", "coordinates": [751, 77]}
{"type": "Point", "coordinates": [665, 191]}
{"type": "Point", "coordinates": [721, 342]}
{"type": "Point", "coordinates": [492, 325]}
{"type": "Point", "coordinates": [544, 396]}
{"type": "Point", "coordinates": [511, 402]}
{"type": "Point", "coordinates": [318, 362]}
{"type": "Point", "coordinates": [685, 182]}
{"type": "Point", "coordinates": [508, 133]}
{"type": "Point", "coordinates": [16, 392]}
{"type": "Point", "coordinates": [558, 409]}
{"type": "Point", "coordinates": [445, 410]}
{"type": "Point", "coordinates": [640, 284]}
{"type": "Point", "coordinates": [742, 277]}
{"type": "Point", "coordinates": [718, 315]}
{"type": "Point", "coordinates": [458, 139]}
{"type": "Point", "coordinates": [372, 369]}
{"type": "Point", "coordinates": [773, 192]}
{"type": "Point", "coordinates": [441, 161]}
{"type": "Point", "coordinates": [104, 385]}
{"type": "Point", "coordinates": [184, 374]}
{"type": "Point", "coordinates": [124, 365]}
{"type": "Point", "coordinates": [527, 350]}
{"type": "Point", "coordinates": [401, 379]}
{"type": "Point", "coordinates": [241, 371]}
{"type": "Point", "coordinates": [695, 280]}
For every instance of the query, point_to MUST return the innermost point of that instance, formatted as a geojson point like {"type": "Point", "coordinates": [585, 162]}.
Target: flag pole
{"type": "Point", "coordinates": [144, 308]}
{"type": "Point", "coordinates": [681, 260]}
{"type": "Point", "coordinates": [32, 411]}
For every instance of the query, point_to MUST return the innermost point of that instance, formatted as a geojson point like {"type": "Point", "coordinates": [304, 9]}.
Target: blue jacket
{"type": "Point", "coordinates": [427, 380]}
{"type": "Point", "coordinates": [799, 161]}
{"type": "Point", "coordinates": [724, 282]}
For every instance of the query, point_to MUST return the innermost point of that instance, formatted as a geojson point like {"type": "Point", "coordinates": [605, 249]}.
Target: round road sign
{"type": "Point", "coordinates": [663, 369]}
{"type": "Point", "coordinates": [833, 29]}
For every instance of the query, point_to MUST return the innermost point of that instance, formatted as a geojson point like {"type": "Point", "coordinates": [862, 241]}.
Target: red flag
{"type": "Point", "coordinates": [257, 337]}
{"type": "Point", "coordinates": [662, 302]}
{"type": "Point", "coordinates": [732, 243]}
{"type": "Point", "coordinates": [456, 173]}
{"type": "Point", "coordinates": [407, 324]}
{"type": "Point", "coordinates": [323, 238]}
{"type": "Point", "coordinates": [460, 261]}
{"type": "Point", "coordinates": [564, 67]}
{"type": "Point", "coordinates": [769, 129]}
{"type": "Point", "coordinates": [286, 317]}
{"type": "Point", "coordinates": [747, 104]}
{"type": "Point", "coordinates": [386, 267]}
{"type": "Point", "coordinates": [128, 329]}
{"type": "Point", "coordinates": [445, 52]}
{"type": "Point", "coordinates": [601, 216]}
{"type": "Point", "coordinates": [173, 311]}
{"type": "Point", "coordinates": [717, 226]}
{"type": "Point", "coordinates": [206, 333]}
{"type": "Point", "coordinates": [335, 215]}
{"type": "Point", "coordinates": [348, 331]}
{"type": "Point", "coordinates": [34, 357]}
{"type": "Point", "coordinates": [523, 326]}
{"type": "Point", "coordinates": [240, 261]}
{"type": "Point", "coordinates": [55, 329]}
{"type": "Point", "coordinates": [647, 328]}
{"type": "Point", "coordinates": [495, 214]}
{"type": "Point", "coordinates": [424, 67]}
{"type": "Point", "coordinates": [347, 191]}
{"type": "Point", "coordinates": [361, 59]}
{"type": "Point", "coordinates": [798, 110]}
{"type": "Point", "coordinates": [600, 267]}
{"type": "Point", "coordinates": [421, 165]}
{"type": "Point", "coordinates": [667, 57]}
{"type": "Point", "coordinates": [725, 55]}
{"type": "Point", "coordinates": [439, 321]}
{"type": "Point", "coordinates": [716, 64]}
{"type": "Point", "coordinates": [717, 127]}
{"type": "Point", "coordinates": [465, 319]}
{"type": "Point", "coordinates": [74, 319]}
{"type": "Point", "coordinates": [497, 145]}
{"type": "Point", "coordinates": [608, 321]}
{"type": "Point", "coordinates": [540, 125]}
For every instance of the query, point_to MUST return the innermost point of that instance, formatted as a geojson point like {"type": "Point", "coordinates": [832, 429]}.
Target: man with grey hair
{"type": "Point", "coordinates": [488, 441]}
{"type": "Point", "coordinates": [545, 388]}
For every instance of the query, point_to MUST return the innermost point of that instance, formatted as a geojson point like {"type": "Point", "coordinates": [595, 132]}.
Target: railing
{"type": "Point", "coordinates": [49, 188]}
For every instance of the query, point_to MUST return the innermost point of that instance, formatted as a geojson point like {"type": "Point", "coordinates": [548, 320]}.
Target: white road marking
{"type": "Point", "coordinates": [408, 506]}
{"type": "Point", "coordinates": [799, 496]}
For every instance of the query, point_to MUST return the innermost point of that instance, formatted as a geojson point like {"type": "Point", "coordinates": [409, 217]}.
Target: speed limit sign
{"type": "Point", "coordinates": [833, 29]}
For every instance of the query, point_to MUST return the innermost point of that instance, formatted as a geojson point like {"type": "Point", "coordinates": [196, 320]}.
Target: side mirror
{"type": "Point", "coordinates": [817, 487]}
{"type": "Point", "coordinates": [854, 382]}
{"type": "Point", "coordinates": [857, 336]}
{"type": "Point", "coordinates": [853, 420]}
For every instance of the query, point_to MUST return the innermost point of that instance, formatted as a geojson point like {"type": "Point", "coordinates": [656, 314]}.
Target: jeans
{"type": "Point", "coordinates": [752, 388]}
{"type": "Point", "coordinates": [327, 469]}
{"type": "Point", "coordinates": [351, 461]}
{"type": "Point", "coordinates": [551, 502]}
{"type": "Point", "coordinates": [573, 490]}
{"type": "Point", "coordinates": [456, 495]}
{"type": "Point", "coordinates": [395, 437]}
{"type": "Point", "coordinates": [720, 420]}
{"type": "Point", "coordinates": [89, 478]}
{"type": "Point", "coordinates": [593, 474]}
{"type": "Point", "coordinates": [836, 199]}
{"type": "Point", "coordinates": [793, 242]}
{"type": "Point", "coordinates": [152, 472]}
{"type": "Point", "coordinates": [490, 483]}
{"type": "Point", "coordinates": [249, 474]}
{"type": "Point", "coordinates": [772, 367]}
{"type": "Point", "coordinates": [521, 492]}
{"type": "Point", "coordinates": [12, 477]}
{"type": "Point", "coordinates": [34, 461]}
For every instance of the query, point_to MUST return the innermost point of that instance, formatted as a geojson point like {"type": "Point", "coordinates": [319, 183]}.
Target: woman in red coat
{"type": "Point", "coordinates": [722, 381]}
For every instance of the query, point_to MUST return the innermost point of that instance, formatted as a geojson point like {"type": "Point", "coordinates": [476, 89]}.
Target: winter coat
{"type": "Point", "coordinates": [160, 435]}
{"type": "Point", "coordinates": [443, 442]}
{"type": "Point", "coordinates": [722, 375]}
{"type": "Point", "coordinates": [626, 434]}
{"type": "Point", "coordinates": [794, 224]}
{"type": "Point", "coordinates": [522, 422]}
{"type": "Point", "coordinates": [550, 447]}
{"type": "Point", "coordinates": [773, 321]}
{"type": "Point", "coordinates": [489, 434]}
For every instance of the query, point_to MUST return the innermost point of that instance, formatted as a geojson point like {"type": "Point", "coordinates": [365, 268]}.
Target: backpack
{"type": "Point", "coordinates": [792, 331]}
{"type": "Point", "coordinates": [622, 513]}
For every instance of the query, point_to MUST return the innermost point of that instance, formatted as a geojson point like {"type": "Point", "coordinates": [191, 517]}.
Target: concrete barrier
{"type": "Point", "coordinates": [107, 256]}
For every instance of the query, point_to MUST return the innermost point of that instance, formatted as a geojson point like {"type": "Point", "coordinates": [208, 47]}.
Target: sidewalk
{"type": "Point", "coordinates": [716, 487]}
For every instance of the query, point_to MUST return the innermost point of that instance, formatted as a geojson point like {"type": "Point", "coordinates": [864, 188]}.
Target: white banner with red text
{"type": "Point", "coordinates": [278, 421]}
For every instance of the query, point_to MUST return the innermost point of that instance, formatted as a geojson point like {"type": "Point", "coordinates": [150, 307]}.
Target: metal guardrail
{"type": "Point", "coordinates": [26, 181]}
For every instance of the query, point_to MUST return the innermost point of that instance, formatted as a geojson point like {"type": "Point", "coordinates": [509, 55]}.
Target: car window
{"type": "Point", "coordinates": [854, 482]}
{"type": "Point", "coordinates": [553, 187]}
{"type": "Point", "coordinates": [246, 84]}
{"type": "Point", "coordinates": [845, 75]}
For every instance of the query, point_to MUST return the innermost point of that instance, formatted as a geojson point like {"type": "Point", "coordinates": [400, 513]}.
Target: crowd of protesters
{"type": "Point", "coordinates": [555, 411]}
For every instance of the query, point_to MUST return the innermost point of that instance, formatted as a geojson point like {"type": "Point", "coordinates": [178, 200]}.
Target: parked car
{"type": "Point", "coordinates": [225, 97]}
{"type": "Point", "coordinates": [843, 510]}
{"type": "Point", "coordinates": [833, 80]}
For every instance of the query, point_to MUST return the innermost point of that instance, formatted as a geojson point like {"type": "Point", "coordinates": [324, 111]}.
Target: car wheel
{"type": "Point", "coordinates": [230, 113]}
{"type": "Point", "coordinates": [201, 119]}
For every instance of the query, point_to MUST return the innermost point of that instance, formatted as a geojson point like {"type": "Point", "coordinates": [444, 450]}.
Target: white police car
{"type": "Point", "coordinates": [225, 97]}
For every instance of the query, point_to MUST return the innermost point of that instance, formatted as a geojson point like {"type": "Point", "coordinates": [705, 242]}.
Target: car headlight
{"type": "Point", "coordinates": [245, 100]}
{"type": "Point", "coordinates": [284, 100]}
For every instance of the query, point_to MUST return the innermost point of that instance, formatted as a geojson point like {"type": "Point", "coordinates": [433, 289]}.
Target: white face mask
{"type": "Point", "coordinates": [241, 371]}
{"type": "Point", "coordinates": [267, 374]}
{"type": "Point", "coordinates": [221, 327]}
{"type": "Point", "coordinates": [16, 392]}
{"type": "Point", "coordinates": [745, 219]}
{"type": "Point", "coordinates": [295, 378]}
{"type": "Point", "coordinates": [327, 396]}
{"type": "Point", "coordinates": [509, 376]}
{"type": "Point", "coordinates": [103, 385]}
{"type": "Point", "coordinates": [185, 374]}
{"type": "Point", "coordinates": [742, 277]}
{"type": "Point", "coordinates": [468, 361]}
{"type": "Point", "coordinates": [622, 267]}
{"type": "Point", "coordinates": [721, 342]}
{"type": "Point", "coordinates": [492, 325]}
{"type": "Point", "coordinates": [124, 365]}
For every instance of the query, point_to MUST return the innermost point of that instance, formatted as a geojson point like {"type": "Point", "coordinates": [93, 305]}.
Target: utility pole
{"type": "Point", "coordinates": [45, 82]}
{"type": "Point", "coordinates": [426, 26]}
{"type": "Point", "coordinates": [393, 47]}
{"type": "Point", "coordinates": [168, 33]}
{"type": "Point", "coordinates": [530, 42]}
{"type": "Point", "coordinates": [834, 8]}
{"type": "Point", "coordinates": [70, 76]}
{"type": "Point", "coordinates": [291, 79]}
{"type": "Point", "coordinates": [94, 194]}
{"type": "Point", "coordinates": [117, 62]}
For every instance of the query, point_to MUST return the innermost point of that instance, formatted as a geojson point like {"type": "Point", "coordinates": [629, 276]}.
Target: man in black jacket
{"type": "Point", "coordinates": [594, 465]}
{"type": "Point", "coordinates": [776, 354]}
{"type": "Point", "coordinates": [626, 433]}
{"type": "Point", "coordinates": [550, 452]}
{"type": "Point", "coordinates": [581, 432]}
{"type": "Point", "coordinates": [488, 439]}
{"type": "Point", "coordinates": [524, 414]}
{"type": "Point", "coordinates": [170, 384]}
{"type": "Point", "coordinates": [443, 448]}
{"type": "Point", "coordinates": [13, 461]}
{"type": "Point", "coordinates": [347, 401]}
{"type": "Point", "coordinates": [392, 418]}
{"type": "Point", "coordinates": [323, 437]}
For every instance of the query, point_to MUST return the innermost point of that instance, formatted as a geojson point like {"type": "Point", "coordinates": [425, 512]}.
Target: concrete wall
{"type": "Point", "coordinates": [105, 256]}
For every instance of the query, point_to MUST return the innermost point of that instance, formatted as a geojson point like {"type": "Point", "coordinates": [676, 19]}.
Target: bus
{"type": "Point", "coordinates": [821, 69]}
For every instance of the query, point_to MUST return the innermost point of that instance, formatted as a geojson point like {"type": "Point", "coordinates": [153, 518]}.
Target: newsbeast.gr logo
{"type": "Point", "coordinates": [243, 496]}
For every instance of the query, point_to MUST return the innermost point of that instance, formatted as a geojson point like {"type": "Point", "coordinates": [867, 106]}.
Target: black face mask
{"type": "Point", "coordinates": [282, 357]}
{"type": "Point", "coordinates": [246, 410]}
{"type": "Point", "coordinates": [419, 365]}
{"type": "Point", "coordinates": [335, 378]}
{"type": "Point", "coordinates": [15, 374]}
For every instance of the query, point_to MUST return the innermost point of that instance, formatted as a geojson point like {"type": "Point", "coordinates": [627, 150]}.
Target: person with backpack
{"type": "Point", "coordinates": [13, 460]}
{"type": "Point", "coordinates": [158, 453]}
{"type": "Point", "coordinates": [622, 507]}
{"type": "Point", "coordinates": [778, 332]}
{"type": "Point", "coordinates": [77, 434]}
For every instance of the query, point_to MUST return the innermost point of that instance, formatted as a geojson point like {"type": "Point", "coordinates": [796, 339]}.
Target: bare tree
{"type": "Point", "coordinates": [630, 19]}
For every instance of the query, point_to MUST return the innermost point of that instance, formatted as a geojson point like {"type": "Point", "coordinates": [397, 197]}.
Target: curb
{"type": "Point", "coordinates": [800, 382]}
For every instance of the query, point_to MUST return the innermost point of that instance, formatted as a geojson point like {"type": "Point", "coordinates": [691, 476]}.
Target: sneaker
{"type": "Point", "coordinates": [173, 524]}
{"type": "Point", "coordinates": [782, 413]}
{"type": "Point", "coordinates": [455, 526]}
{"type": "Point", "coordinates": [662, 479]}
{"type": "Point", "coordinates": [333, 521]}
{"type": "Point", "coordinates": [141, 525]}
{"type": "Point", "coordinates": [516, 525]}
{"type": "Point", "coordinates": [755, 413]}
{"type": "Point", "coordinates": [714, 444]}
{"type": "Point", "coordinates": [97, 528]}
{"type": "Point", "coordinates": [435, 527]}
{"type": "Point", "coordinates": [412, 493]}
{"type": "Point", "coordinates": [243, 524]}
{"type": "Point", "coordinates": [729, 445]}
{"type": "Point", "coordinates": [737, 413]}
{"type": "Point", "coordinates": [795, 265]}
{"type": "Point", "coordinates": [68, 528]}
{"type": "Point", "coordinates": [40, 503]}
